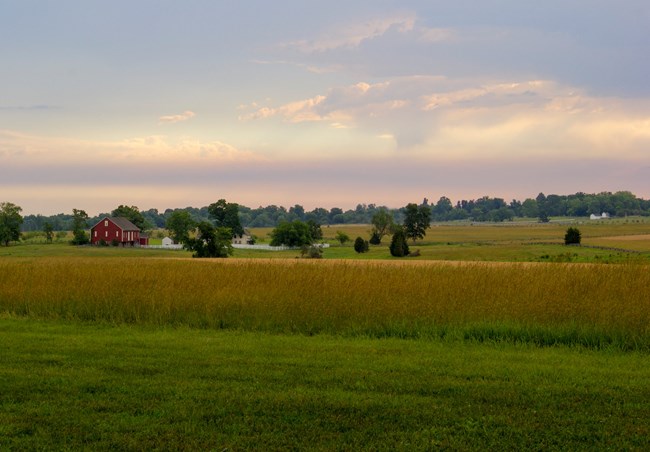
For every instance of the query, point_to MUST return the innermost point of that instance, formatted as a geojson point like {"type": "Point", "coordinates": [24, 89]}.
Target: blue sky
{"type": "Point", "coordinates": [169, 104]}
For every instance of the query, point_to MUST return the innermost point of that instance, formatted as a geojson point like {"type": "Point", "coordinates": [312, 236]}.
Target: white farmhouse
{"type": "Point", "coordinates": [603, 216]}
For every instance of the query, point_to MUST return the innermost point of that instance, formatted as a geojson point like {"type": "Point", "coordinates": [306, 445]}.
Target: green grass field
{"type": "Point", "coordinates": [79, 386]}
{"type": "Point", "coordinates": [496, 337]}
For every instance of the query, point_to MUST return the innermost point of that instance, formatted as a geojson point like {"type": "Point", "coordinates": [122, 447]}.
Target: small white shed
{"type": "Point", "coordinates": [167, 242]}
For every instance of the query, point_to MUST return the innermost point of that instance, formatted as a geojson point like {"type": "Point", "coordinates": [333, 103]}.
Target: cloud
{"type": "Point", "coordinates": [353, 35]}
{"type": "Point", "coordinates": [172, 119]}
{"type": "Point", "coordinates": [298, 111]}
{"type": "Point", "coordinates": [28, 107]}
{"type": "Point", "coordinates": [443, 118]}
{"type": "Point", "coordinates": [21, 147]}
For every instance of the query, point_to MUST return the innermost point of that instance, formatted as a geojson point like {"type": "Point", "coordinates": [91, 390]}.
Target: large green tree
{"type": "Point", "coordinates": [226, 215]}
{"type": "Point", "coordinates": [132, 213]}
{"type": "Point", "coordinates": [383, 224]}
{"type": "Point", "coordinates": [79, 225]}
{"type": "Point", "coordinates": [295, 234]}
{"type": "Point", "coordinates": [210, 241]}
{"type": "Point", "coordinates": [417, 219]}
{"type": "Point", "coordinates": [179, 224]}
{"type": "Point", "coordinates": [10, 221]}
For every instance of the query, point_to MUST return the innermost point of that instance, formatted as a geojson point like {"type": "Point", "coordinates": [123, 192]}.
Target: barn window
{"type": "Point", "coordinates": [95, 233]}
{"type": "Point", "coordinates": [117, 233]}
{"type": "Point", "coordinates": [106, 233]}
{"type": "Point", "coordinates": [105, 223]}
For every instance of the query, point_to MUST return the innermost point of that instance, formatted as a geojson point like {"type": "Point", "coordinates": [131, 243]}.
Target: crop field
{"type": "Point", "coordinates": [496, 337]}
{"type": "Point", "coordinates": [592, 305]}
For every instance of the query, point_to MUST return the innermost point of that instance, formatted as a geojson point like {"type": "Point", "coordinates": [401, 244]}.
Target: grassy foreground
{"type": "Point", "coordinates": [591, 305]}
{"type": "Point", "coordinates": [91, 386]}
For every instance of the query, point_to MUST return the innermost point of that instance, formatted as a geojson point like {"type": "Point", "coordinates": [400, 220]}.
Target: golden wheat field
{"type": "Point", "coordinates": [601, 303]}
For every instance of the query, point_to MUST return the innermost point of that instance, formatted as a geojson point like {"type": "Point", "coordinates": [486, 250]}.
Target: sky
{"type": "Point", "coordinates": [164, 104]}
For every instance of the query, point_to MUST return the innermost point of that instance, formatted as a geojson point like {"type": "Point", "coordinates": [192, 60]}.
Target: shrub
{"type": "Point", "coordinates": [572, 237]}
{"type": "Point", "coordinates": [360, 245]}
{"type": "Point", "coordinates": [311, 252]}
{"type": "Point", "coordinates": [398, 245]}
{"type": "Point", "coordinates": [342, 237]}
{"type": "Point", "coordinates": [375, 238]}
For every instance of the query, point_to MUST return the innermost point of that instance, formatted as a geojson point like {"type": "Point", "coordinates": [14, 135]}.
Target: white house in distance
{"type": "Point", "coordinates": [604, 216]}
{"type": "Point", "coordinates": [167, 242]}
{"type": "Point", "coordinates": [243, 239]}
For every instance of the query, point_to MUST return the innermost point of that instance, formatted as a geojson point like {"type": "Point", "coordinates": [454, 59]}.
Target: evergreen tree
{"type": "Point", "coordinates": [398, 245]}
{"type": "Point", "coordinates": [361, 245]}
{"type": "Point", "coordinates": [375, 239]}
{"type": "Point", "coordinates": [572, 237]}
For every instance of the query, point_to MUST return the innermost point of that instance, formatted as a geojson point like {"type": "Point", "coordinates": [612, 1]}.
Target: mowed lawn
{"type": "Point", "coordinates": [69, 385]}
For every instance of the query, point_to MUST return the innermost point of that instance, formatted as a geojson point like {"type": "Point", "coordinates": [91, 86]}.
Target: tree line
{"type": "Point", "coordinates": [618, 204]}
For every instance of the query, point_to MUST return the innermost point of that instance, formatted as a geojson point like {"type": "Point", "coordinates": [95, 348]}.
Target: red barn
{"type": "Point", "coordinates": [115, 230]}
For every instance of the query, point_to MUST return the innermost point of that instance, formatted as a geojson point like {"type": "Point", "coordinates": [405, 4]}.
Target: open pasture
{"type": "Point", "coordinates": [592, 305]}
{"type": "Point", "coordinates": [604, 241]}
{"type": "Point", "coordinates": [71, 386]}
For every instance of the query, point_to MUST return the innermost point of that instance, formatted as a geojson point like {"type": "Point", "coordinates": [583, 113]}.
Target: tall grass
{"type": "Point", "coordinates": [592, 305]}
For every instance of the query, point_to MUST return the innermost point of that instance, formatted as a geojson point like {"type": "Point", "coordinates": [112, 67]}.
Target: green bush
{"type": "Point", "coordinates": [398, 245]}
{"type": "Point", "coordinates": [572, 237]}
{"type": "Point", "coordinates": [361, 245]}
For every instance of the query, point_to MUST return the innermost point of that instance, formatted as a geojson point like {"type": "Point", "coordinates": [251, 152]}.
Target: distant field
{"type": "Point", "coordinates": [604, 241]}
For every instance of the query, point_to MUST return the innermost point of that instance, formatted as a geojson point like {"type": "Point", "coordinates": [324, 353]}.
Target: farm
{"type": "Point", "coordinates": [494, 337]}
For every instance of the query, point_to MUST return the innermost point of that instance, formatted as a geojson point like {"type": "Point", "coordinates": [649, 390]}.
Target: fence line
{"type": "Point", "coordinates": [239, 246]}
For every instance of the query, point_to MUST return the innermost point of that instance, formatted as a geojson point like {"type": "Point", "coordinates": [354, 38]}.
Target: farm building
{"type": "Point", "coordinates": [604, 216]}
{"type": "Point", "coordinates": [244, 239]}
{"type": "Point", "coordinates": [117, 231]}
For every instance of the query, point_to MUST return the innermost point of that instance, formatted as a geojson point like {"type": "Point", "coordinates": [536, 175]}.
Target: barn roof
{"type": "Point", "coordinates": [121, 222]}
{"type": "Point", "coordinates": [124, 224]}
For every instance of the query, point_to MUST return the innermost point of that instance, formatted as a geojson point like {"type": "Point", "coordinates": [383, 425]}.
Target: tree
{"type": "Point", "coordinates": [179, 224]}
{"type": "Point", "coordinates": [210, 241]}
{"type": "Point", "coordinates": [226, 215]}
{"type": "Point", "coordinates": [383, 223]}
{"type": "Point", "coordinates": [572, 237]}
{"type": "Point", "coordinates": [315, 231]}
{"type": "Point", "coordinates": [374, 238]}
{"type": "Point", "coordinates": [294, 234]}
{"type": "Point", "coordinates": [416, 221]}
{"type": "Point", "coordinates": [132, 214]}
{"type": "Point", "coordinates": [361, 245]}
{"type": "Point", "coordinates": [79, 225]}
{"type": "Point", "coordinates": [10, 221]}
{"type": "Point", "coordinates": [443, 207]}
{"type": "Point", "coordinates": [398, 246]}
{"type": "Point", "coordinates": [49, 231]}
{"type": "Point", "coordinates": [342, 237]}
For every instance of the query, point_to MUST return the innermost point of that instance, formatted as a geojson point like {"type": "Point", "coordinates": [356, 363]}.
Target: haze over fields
{"type": "Point", "coordinates": [169, 104]}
